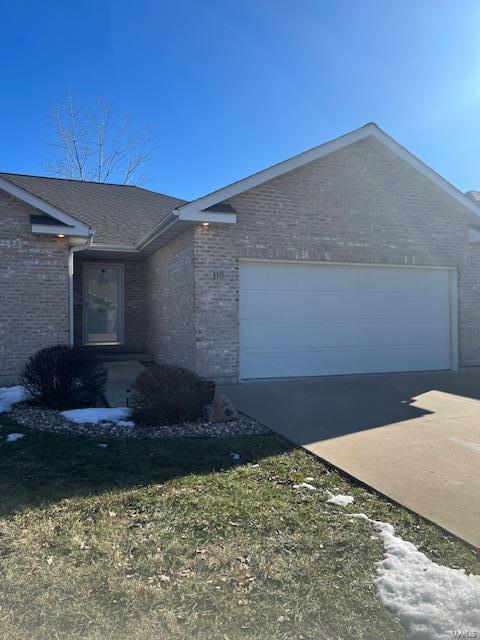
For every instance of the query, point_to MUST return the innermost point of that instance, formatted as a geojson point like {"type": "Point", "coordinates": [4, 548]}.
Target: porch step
{"type": "Point", "coordinates": [121, 375]}
{"type": "Point", "coordinates": [109, 356]}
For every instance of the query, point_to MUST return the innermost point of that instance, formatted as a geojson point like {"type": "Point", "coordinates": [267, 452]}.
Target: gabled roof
{"type": "Point", "coordinates": [135, 220]}
{"type": "Point", "coordinates": [370, 129]}
{"type": "Point", "coordinates": [120, 214]}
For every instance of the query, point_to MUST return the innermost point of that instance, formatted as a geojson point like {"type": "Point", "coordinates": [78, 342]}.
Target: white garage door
{"type": "Point", "coordinates": [299, 319]}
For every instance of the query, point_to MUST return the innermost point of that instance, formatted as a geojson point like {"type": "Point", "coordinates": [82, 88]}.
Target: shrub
{"type": "Point", "coordinates": [63, 377]}
{"type": "Point", "coordinates": [165, 394]}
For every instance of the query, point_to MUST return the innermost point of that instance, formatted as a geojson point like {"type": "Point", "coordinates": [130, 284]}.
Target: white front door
{"type": "Point", "coordinates": [103, 304]}
{"type": "Point", "coordinates": [301, 319]}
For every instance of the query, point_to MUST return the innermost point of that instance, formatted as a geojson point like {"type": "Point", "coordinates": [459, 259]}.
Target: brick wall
{"type": "Point", "coordinates": [33, 287]}
{"type": "Point", "coordinates": [169, 302]}
{"type": "Point", "coordinates": [360, 204]}
{"type": "Point", "coordinates": [133, 274]}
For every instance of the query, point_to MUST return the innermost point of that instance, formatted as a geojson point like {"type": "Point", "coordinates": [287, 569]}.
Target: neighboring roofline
{"type": "Point", "coordinates": [370, 129]}
{"type": "Point", "coordinates": [77, 228]}
{"type": "Point", "coordinates": [76, 180]}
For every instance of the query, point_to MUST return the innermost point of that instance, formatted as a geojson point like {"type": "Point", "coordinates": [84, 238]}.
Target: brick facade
{"type": "Point", "coordinates": [169, 302]}
{"type": "Point", "coordinates": [33, 287]}
{"type": "Point", "coordinates": [361, 204]}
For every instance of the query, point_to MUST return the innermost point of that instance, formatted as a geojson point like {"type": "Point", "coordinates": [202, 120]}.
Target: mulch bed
{"type": "Point", "coordinates": [52, 421]}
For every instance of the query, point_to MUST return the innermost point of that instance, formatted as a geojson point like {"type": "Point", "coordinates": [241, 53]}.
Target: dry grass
{"type": "Point", "coordinates": [152, 539]}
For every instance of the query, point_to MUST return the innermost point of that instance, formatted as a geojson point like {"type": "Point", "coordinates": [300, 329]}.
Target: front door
{"type": "Point", "coordinates": [103, 304]}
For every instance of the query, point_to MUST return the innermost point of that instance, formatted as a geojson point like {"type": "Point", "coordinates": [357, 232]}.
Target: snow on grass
{"type": "Point", "coordinates": [97, 415]}
{"type": "Point", "coordinates": [340, 500]}
{"type": "Point", "coordinates": [13, 437]}
{"type": "Point", "coordinates": [433, 602]}
{"type": "Point", "coordinates": [10, 396]}
{"type": "Point", "coordinates": [305, 485]}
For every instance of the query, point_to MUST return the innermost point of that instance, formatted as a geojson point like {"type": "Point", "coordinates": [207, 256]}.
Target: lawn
{"type": "Point", "coordinates": [176, 540]}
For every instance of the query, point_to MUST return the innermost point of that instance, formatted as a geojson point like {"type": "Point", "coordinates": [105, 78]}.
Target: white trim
{"type": "Point", "coordinates": [321, 151]}
{"type": "Point", "coordinates": [164, 224]}
{"type": "Point", "coordinates": [174, 217]}
{"type": "Point", "coordinates": [103, 246]}
{"type": "Point", "coordinates": [351, 264]}
{"type": "Point", "coordinates": [51, 229]}
{"type": "Point", "coordinates": [208, 216]}
{"type": "Point", "coordinates": [71, 318]}
{"type": "Point", "coordinates": [453, 291]}
{"type": "Point", "coordinates": [121, 303]}
{"type": "Point", "coordinates": [76, 228]}
{"type": "Point", "coordinates": [473, 234]}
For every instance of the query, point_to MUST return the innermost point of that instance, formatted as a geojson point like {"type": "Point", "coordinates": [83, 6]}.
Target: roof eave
{"type": "Point", "coordinates": [75, 227]}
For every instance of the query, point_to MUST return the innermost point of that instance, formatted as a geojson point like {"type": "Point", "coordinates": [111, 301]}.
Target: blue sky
{"type": "Point", "coordinates": [231, 87]}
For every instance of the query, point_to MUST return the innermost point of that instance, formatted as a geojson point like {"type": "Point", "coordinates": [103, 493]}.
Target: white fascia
{"type": "Point", "coordinates": [207, 216]}
{"type": "Point", "coordinates": [169, 220]}
{"type": "Point", "coordinates": [74, 227]}
{"type": "Point", "coordinates": [52, 229]}
{"type": "Point", "coordinates": [104, 246]}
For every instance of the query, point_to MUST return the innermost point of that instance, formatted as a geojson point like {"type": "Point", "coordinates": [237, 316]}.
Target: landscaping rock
{"type": "Point", "coordinates": [222, 409]}
{"type": "Point", "coordinates": [50, 420]}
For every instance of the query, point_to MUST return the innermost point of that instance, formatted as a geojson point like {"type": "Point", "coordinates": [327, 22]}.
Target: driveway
{"type": "Point", "coordinates": [413, 437]}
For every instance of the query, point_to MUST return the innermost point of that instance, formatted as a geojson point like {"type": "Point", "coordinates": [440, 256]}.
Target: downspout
{"type": "Point", "coordinates": [71, 253]}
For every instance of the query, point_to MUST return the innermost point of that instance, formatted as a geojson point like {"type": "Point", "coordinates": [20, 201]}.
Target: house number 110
{"type": "Point", "coordinates": [218, 275]}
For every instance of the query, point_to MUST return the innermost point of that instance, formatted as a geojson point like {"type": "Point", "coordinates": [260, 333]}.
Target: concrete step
{"type": "Point", "coordinates": [110, 356]}
{"type": "Point", "coordinates": [121, 375]}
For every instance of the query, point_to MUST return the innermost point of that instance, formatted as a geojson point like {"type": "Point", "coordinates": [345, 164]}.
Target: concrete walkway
{"type": "Point", "coordinates": [413, 437]}
{"type": "Point", "coordinates": [121, 376]}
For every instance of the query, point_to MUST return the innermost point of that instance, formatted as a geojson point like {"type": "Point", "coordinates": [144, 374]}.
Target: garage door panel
{"type": "Point", "coordinates": [276, 276]}
{"type": "Point", "coordinates": [298, 319]}
{"type": "Point", "coordinates": [338, 362]}
{"type": "Point", "coordinates": [334, 305]}
{"type": "Point", "coordinates": [313, 334]}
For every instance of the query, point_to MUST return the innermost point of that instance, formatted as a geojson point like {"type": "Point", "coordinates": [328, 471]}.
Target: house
{"type": "Point", "coordinates": [353, 257]}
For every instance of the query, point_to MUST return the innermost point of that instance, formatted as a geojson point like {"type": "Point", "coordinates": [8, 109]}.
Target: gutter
{"type": "Point", "coordinates": [71, 253]}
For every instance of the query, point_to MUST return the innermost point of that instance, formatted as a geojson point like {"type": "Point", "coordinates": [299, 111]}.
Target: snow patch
{"type": "Point", "coordinates": [10, 396]}
{"type": "Point", "coordinates": [97, 415]}
{"type": "Point", "coordinates": [340, 500]}
{"type": "Point", "coordinates": [433, 602]}
{"type": "Point", "coordinates": [13, 437]}
{"type": "Point", "coordinates": [305, 485]}
{"type": "Point", "coordinates": [125, 423]}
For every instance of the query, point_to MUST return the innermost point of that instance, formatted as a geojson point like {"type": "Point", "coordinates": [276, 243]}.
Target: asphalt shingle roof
{"type": "Point", "coordinates": [120, 214]}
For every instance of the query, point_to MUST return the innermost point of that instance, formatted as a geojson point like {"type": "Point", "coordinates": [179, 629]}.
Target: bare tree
{"type": "Point", "coordinates": [98, 146]}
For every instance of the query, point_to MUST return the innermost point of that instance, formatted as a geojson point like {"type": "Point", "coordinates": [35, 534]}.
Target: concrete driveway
{"type": "Point", "coordinates": [413, 437]}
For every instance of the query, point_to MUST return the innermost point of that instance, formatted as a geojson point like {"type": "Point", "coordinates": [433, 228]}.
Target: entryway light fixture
{"type": "Point", "coordinates": [205, 224]}
{"type": "Point", "coordinates": [60, 235]}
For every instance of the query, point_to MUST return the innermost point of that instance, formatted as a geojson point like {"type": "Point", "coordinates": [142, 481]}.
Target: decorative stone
{"type": "Point", "coordinates": [50, 420]}
{"type": "Point", "coordinates": [222, 409]}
